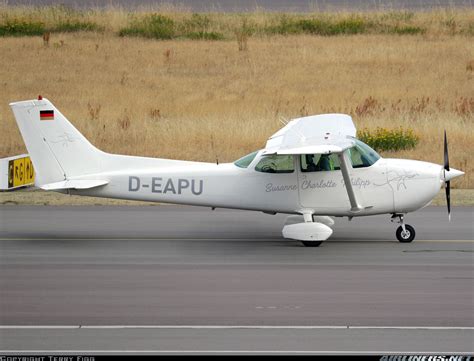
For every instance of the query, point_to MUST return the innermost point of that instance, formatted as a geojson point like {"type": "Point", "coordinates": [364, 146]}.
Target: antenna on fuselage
{"type": "Point", "coordinates": [283, 120]}
{"type": "Point", "coordinates": [213, 150]}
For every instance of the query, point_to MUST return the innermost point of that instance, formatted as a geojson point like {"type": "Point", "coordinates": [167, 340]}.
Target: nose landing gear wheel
{"type": "Point", "coordinates": [312, 243]}
{"type": "Point", "coordinates": [405, 236]}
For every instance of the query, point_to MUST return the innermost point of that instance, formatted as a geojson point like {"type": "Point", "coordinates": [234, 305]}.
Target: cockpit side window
{"type": "Point", "coordinates": [319, 162]}
{"type": "Point", "coordinates": [245, 161]}
{"type": "Point", "coordinates": [362, 155]}
{"type": "Point", "coordinates": [276, 164]}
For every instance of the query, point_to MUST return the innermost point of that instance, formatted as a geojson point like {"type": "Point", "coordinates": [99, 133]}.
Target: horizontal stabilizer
{"type": "Point", "coordinates": [74, 184]}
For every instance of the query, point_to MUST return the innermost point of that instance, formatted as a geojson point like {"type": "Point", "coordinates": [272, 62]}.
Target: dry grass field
{"type": "Point", "coordinates": [195, 100]}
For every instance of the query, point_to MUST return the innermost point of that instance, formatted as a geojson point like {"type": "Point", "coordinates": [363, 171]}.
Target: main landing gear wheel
{"type": "Point", "coordinates": [407, 235]}
{"type": "Point", "coordinates": [312, 243]}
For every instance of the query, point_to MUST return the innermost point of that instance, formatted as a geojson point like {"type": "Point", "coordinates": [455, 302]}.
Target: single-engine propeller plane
{"type": "Point", "coordinates": [313, 167]}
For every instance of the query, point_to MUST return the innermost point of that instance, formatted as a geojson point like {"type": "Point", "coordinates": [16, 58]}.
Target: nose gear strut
{"type": "Point", "coordinates": [405, 233]}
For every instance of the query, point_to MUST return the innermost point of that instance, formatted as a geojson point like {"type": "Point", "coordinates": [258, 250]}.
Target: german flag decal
{"type": "Point", "coordinates": [46, 114]}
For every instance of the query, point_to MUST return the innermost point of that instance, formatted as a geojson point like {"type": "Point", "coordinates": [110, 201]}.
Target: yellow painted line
{"type": "Point", "coordinates": [441, 241]}
{"type": "Point", "coordinates": [137, 239]}
{"type": "Point", "coordinates": [232, 239]}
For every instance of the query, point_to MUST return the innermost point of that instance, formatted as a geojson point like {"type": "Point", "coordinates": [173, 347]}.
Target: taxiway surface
{"type": "Point", "coordinates": [182, 279]}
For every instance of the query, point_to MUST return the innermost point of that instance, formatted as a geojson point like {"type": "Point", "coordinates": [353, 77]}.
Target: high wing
{"type": "Point", "coordinates": [317, 134]}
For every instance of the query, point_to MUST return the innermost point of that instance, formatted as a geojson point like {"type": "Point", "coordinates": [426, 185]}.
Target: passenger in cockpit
{"type": "Point", "coordinates": [324, 163]}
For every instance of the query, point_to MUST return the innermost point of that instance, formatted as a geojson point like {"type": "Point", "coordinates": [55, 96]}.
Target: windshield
{"type": "Point", "coordinates": [362, 155]}
{"type": "Point", "coordinates": [245, 161]}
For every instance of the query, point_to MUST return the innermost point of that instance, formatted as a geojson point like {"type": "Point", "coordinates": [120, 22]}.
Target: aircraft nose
{"type": "Point", "coordinates": [451, 174]}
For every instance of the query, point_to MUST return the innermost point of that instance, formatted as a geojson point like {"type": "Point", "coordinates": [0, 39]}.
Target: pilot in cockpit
{"type": "Point", "coordinates": [324, 163]}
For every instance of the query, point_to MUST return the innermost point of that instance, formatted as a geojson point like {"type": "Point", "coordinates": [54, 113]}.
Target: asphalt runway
{"type": "Point", "coordinates": [175, 279]}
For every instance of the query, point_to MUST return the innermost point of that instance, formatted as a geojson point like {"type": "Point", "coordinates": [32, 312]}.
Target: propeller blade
{"type": "Point", "coordinates": [446, 157]}
{"type": "Point", "coordinates": [448, 198]}
{"type": "Point", "coordinates": [448, 183]}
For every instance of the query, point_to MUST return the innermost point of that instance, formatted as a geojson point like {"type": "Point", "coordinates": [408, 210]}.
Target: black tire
{"type": "Point", "coordinates": [312, 243]}
{"type": "Point", "coordinates": [406, 237]}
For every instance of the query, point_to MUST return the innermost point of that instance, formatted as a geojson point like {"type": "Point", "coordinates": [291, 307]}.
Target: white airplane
{"type": "Point", "coordinates": [313, 167]}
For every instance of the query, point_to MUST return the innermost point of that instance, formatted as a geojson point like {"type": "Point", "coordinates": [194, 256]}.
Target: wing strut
{"type": "Point", "coordinates": [355, 206]}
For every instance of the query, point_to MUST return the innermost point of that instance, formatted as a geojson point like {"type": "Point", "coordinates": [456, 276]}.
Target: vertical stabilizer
{"type": "Point", "coordinates": [58, 150]}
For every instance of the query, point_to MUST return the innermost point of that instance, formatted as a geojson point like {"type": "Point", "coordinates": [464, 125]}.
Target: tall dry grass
{"type": "Point", "coordinates": [194, 100]}
{"type": "Point", "coordinates": [112, 19]}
